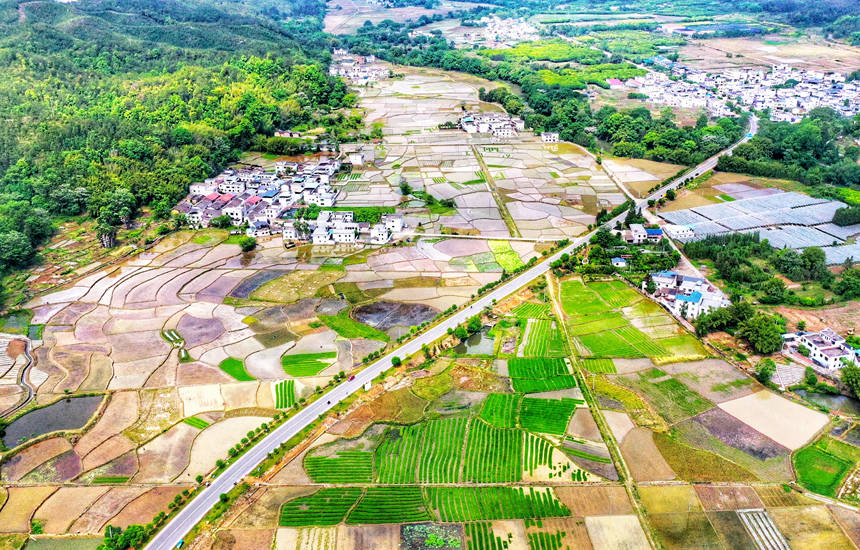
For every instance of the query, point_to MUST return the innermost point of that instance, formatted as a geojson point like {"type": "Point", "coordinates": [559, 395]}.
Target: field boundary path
{"type": "Point", "coordinates": [174, 531]}
{"type": "Point", "coordinates": [491, 187]}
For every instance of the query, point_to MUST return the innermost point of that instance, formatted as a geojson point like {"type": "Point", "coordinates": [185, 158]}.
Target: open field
{"type": "Point", "coordinates": [785, 422]}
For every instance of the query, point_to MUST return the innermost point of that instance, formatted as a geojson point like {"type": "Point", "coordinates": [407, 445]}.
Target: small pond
{"type": "Point", "coordinates": [480, 343]}
{"type": "Point", "coordinates": [841, 403]}
{"type": "Point", "coordinates": [67, 414]}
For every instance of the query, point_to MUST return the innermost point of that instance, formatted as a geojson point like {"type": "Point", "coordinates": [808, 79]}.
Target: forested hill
{"type": "Point", "coordinates": [109, 105]}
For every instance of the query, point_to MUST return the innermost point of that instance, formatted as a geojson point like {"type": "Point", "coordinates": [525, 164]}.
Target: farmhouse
{"type": "Point", "coordinates": [549, 137]}
{"type": "Point", "coordinates": [340, 227]}
{"type": "Point", "coordinates": [685, 296]}
{"type": "Point", "coordinates": [826, 348]}
{"type": "Point", "coordinates": [500, 125]}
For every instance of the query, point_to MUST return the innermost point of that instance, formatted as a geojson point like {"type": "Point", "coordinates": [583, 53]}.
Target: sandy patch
{"type": "Point", "coordinates": [120, 414]}
{"type": "Point", "coordinates": [787, 423]}
{"type": "Point", "coordinates": [20, 505]}
{"type": "Point", "coordinates": [582, 425]}
{"type": "Point", "coordinates": [619, 424]}
{"type": "Point", "coordinates": [163, 458]}
{"type": "Point", "coordinates": [94, 519]}
{"type": "Point", "coordinates": [616, 533]}
{"type": "Point", "coordinates": [240, 395]}
{"type": "Point", "coordinates": [198, 399]}
{"type": "Point", "coordinates": [213, 443]}
{"type": "Point", "coordinates": [142, 509]}
{"type": "Point", "coordinates": [63, 507]}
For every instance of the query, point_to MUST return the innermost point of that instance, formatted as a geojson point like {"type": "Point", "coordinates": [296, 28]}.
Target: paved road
{"type": "Point", "coordinates": [189, 516]}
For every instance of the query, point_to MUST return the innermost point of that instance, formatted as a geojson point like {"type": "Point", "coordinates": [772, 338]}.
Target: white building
{"type": "Point", "coordinates": [549, 137]}
{"type": "Point", "coordinates": [826, 348]}
{"type": "Point", "coordinates": [685, 296]}
{"type": "Point", "coordinates": [638, 235]}
{"type": "Point", "coordinates": [379, 234]}
{"type": "Point", "coordinates": [679, 231]}
{"type": "Point", "coordinates": [392, 222]}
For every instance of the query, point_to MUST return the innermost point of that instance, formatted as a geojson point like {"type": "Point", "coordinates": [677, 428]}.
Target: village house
{"type": "Point", "coordinates": [549, 137]}
{"type": "Point", "coordinates": [500, 125]}
{"type": "Point", "coordinates": [685, 296]}
{"type": "Point", "coordinates": [825, 348]}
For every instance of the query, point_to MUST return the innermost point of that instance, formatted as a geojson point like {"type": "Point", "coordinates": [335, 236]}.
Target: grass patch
{"type": "Point", "coordinates": [236, 368]}
{"type": "Point", "coordinates": [347, 327]}
{"type": "Point", "coordinates": [691, 464]}
{"type": "Point", "coordinates": [822, 466]}
{"type": "Point", "coordinates": [673, 400]}
{"type": "Point", "coordinates": [109, 479]}
{"type": "Point", "coordinates": [599, 366]}
{"type": "Point", "coordinates": [501, 409]}
{"type": "Point", "coordinates": [530, 310]}
{"type": "Point", "coordinates": [195, 422]}
{"type": "Point", "coordinates": [307, 364]}
{"type": "Point", "coordinates": [505, 255]}
{"type": "Point", "coordinates": [547, 415]}
{"type": "Point", "coordinates": [633, 404]}
{"type": "Point", "coordinates": [587, 456]}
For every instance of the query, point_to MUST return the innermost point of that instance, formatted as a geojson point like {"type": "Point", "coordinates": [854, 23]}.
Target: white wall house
{"type": "Point", "coordinates": [685, 296]}
{"type": "Point", "coordinates": [826, 348]}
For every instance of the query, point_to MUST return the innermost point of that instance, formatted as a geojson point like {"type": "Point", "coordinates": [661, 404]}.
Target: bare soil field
{"type": "Point", "coordinates": [769, 50]}
{"type": "Point", "coordinates": [809, 527]}
{"type": "Point", "coordinates": [616, 532]}
{"type": "Point", "coordinates": [98, 514]}
{"type": "Point", "coordinates": [264, 511]}
{"type": "Point", "coordinates": [582, 425]}
{"type": "Point", "coordinates": [20, 505]}
{"type": "Point", "coordinates": [715, 498]}
{"type": "Point", "coordinates": [63, 507]}
{"type": "Point", "coordinates": [345, 16]}
{"type": "Point", "coordinates": [142, 509]}
{"type": "Point", "coordinates": [787, 423]}
{"type": "Point", "coordinates": [643, 458]}
{"type": "Point", "coordinates": [237, 539]}
{"type": "Point", "coordinates": [595, 501]}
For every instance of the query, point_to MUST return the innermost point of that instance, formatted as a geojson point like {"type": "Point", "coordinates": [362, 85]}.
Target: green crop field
{"type": "Point", "coordinates": [235, 368]}
{"type": "Point", "coordinates": [599, 366]}
{"type": "Point", "coordinates": [347, 327]}
{"type": "Point", "coordinates": [546, 541]}
{"type": "Point", "coordinates": [345, 467]}
{"type": "Point", "coordinates": [609, 344]}
{"type": "Point", "coordinates": [822, 466]}
{"type": "Point", "coordinates": [548, 50]}
{"type": "Point", "coordinates": [615, 293]}
{"type": "Point", "coordinates": [672, 399]}
{"type": "Point", "coordinates": [501, 409]}
{"type": "Point", "coordinates": [397, 454]}
{"type": "Point", "coordinates": [487, 503]}
{"type": "Point", "coordinates": [537, 452]}
{"type": "Point", "coordinates": [536, 339]}
{"type": "Point", "coordinates": [390, 505]}
{"type": "Point", "coordinates": [505, 255]}
{"type": "Point", "coordinates": [109, 479]}
{"type": "Point", "coordinates": [499, 448]}
{"type": "Point", "coordinates": [588, 456]}
{"type": "Point", "coordinates": [534, 374]}
{"type": "Point", "coordinates": [285, 394]}
{"type": "Point", "coordinates": [325, 507]}
{"type": "Point", "coordinates": [530, 310]}
{"type": "Point", "coordinates": [481, 537]}
{"type": "Point", "coordinates": [577, 299]}
{"type": "Point", "coordinates": [442, 453]}
{"type": "Point", "coordinates": [547, 415]}
{"type": "Point", "coordinates": [597, 323]}
{"type": "Point", "coordinates": [198, 423]}
{"type": "Point", "coordinates": [307, 364]}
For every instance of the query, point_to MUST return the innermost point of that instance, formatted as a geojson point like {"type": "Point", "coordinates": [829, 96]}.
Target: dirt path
{"type": "Point", "coordinates": [602, 425]}
{"type": "Point", "coordinates": [491, 187]}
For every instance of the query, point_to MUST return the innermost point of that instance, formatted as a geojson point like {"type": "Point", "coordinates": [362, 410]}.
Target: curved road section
{"type": "Point", "coordinates": [195, 510]}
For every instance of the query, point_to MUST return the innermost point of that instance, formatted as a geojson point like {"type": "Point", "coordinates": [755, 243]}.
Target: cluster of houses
{"type": "Point", "coordinates": [826, 349]}
{"type": "Point", "coordinates": [493, 30]}
{"type": "Point", "coordinates": [501, 125]}
{"type": "Point", "coordinates": [685, 296]}
{"type": "Point", "coordinates": [787, 91]}
{"type": "Point", "coordinates": [340, 227]}
{"type": "Point", "coordinates": [358, 69]}
{"type": "Point", "coordinates": [264, 201]}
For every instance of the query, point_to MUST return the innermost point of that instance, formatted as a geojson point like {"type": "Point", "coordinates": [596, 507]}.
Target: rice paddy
{"type": "Point", "coordinates": [307, 364]}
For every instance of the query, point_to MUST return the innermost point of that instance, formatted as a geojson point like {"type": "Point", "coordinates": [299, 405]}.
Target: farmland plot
{"type": "Point", "coordinates": [547, 415]}
{"type": "Point", "coordinates": [482, 503]}
{"type": "Point", "coordinates": [488, 445]}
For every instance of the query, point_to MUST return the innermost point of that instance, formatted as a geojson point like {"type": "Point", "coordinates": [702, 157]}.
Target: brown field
{"type": "Point", "coordinates": [575, 533]}
{"type": "Point", "coordinates": [22, 502]}
{"type": "Point", "coordinates": [238, 539]}
{"type": "Point", "coordinates": [163, 458]}
{"type": "Point", "coordinates": [809, 527]}
{"type": "Point", "coordinates": [716, 498]}
{"type": "Point", "coordinates": [383, 537]}
{"type": "Point", "coordinates": [776, 496]}
{"type": "Point", "coordinates": [345, 16]}
{"type": "Point", "coordinates": [20, 464]}
{"type": "Point", "coordinates": [849, 521]}
{"type": "Point", "coordinates": [107, 451]}
{"type": "Point", "coordinates": [12, 542]}
{"type": "Point", "coordinates": [582, 425]}
{"type": "Point", "coordinates": [788, 423]}
{"type": "Point", "coordinates": [685, 530]}
{"type": "Point", "coordinates": [142, 509]}
{"type": "Point", "coordinates": [731, 531]}
{"type": "Point", "coordinates": [616, 532]}
{"type": "Point", "coordinates": [669, 499]}
{"type": "Point", "coordinates": [642, 457]}
{"type": "Point", "coordinates": [263, 512]}
{"type": "Point", "coordinates": [65, 506]}
{"type": "Point", "coordinates": [295, 286]}
{"type": "Point", "coordinates": [120, 414]}
{"type": "Point", "coordinates": [840, 318]}
{"type": "Point", "coordinates": [766, 51]}
{"type": "Point", "coordinates": [595, 501]}
{"type": "Point", "coordinates": [713, 379]}
{"type": "Point", "coordinates": [95, 518]}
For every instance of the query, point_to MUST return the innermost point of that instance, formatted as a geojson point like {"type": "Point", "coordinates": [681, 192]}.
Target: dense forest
{"type": "Point", "coordinates": [820, 149]}
{"type": "Point", "coordinates": [110, 105]}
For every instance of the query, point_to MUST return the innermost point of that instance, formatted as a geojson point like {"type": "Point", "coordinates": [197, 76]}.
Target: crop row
{"type": "Point", "coordinates": [537, 338]}
{"type": "Point", "coordinates": [285, 394]}
{"type": "Point", "coordinates": [547, 415]}
{"type": "Point", "coordinates": [390, 505]}
{"type": "Point", "coordinates": [346, 467]}
{"type": "Point", "coordinates": [493, 454]}
{"type": "Point", "coordinates": [482, 503]}
{"type": "Point", "coordinates": [501, 409]}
